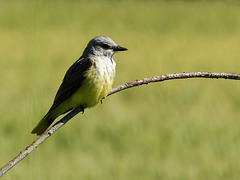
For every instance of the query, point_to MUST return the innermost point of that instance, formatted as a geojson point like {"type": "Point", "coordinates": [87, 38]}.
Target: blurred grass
{"type": "Point", "coordinates": [183, 129]}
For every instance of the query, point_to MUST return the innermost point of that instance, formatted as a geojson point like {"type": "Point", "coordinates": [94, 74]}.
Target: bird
{"type": "Point", "coordinates": [86, 82]}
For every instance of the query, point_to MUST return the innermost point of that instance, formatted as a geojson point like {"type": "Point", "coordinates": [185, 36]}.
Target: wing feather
{"type": "Point", "coordinates": [72, 80]}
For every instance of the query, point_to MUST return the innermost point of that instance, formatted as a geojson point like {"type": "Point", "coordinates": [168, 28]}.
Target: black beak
{"type": "Point", "coordinates": [119, 48]}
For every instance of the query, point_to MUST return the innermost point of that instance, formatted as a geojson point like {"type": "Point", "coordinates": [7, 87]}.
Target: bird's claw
{"type": "Point", "coordinates": [102, 100]}
{"type": "Point", "coordinates": [82, 110]}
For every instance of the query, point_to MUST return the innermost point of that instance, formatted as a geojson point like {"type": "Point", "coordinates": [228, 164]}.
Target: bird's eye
{"type": "Point", "coordinates": [105, 46]}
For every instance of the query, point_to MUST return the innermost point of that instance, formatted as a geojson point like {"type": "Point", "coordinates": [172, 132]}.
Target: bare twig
{"type": "Point", "coordinates": [135, 83]}
{"type": "Point", "coordinates": [183, 75]}
{"type": "Point", "coordinates": [39, 141]}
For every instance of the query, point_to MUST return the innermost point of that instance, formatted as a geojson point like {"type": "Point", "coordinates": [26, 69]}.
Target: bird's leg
{"type": "Point", "coordinates": [82, 109]}
{"type": "Point", "coordinates": [102, 99]}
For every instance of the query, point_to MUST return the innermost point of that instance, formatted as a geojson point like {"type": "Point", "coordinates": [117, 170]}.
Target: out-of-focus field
{"type": "Point", "coordinates": [180, 129]}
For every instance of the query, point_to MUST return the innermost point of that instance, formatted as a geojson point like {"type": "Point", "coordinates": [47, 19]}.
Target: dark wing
{"type": "Point", "coordinates": [72, 80]}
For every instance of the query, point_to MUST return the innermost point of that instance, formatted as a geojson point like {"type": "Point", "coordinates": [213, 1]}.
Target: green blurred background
{"type": "Point", "coordinates": [180, 129]}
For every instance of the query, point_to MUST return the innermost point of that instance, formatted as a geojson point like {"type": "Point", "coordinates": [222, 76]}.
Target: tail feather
{"type": "Point", "coordinates": [43, 124]}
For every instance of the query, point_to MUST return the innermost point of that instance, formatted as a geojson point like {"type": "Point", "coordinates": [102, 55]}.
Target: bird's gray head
{"type": "Point", "coordinates": [102, 46]}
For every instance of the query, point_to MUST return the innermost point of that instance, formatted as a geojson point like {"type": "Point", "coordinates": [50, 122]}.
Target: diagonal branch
{"type": "Point", "coordinates": [135, 83]}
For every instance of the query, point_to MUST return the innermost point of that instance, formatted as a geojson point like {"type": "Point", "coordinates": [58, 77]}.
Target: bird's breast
{"type": "Point", "coordinates": [98, 82]}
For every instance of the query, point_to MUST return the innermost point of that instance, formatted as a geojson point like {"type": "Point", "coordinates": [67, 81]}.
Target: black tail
{"type": "Point", "coordinates": [43, 124]}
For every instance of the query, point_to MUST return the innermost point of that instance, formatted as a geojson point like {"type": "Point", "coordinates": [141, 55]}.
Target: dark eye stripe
{"type": "Point", "coordinates": [105, 46]}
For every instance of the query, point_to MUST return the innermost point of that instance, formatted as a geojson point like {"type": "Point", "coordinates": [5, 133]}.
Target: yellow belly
{"type": "Point", "coordinates": [93, 89]}
{"type": "Point", "coordinates": [90, 93]}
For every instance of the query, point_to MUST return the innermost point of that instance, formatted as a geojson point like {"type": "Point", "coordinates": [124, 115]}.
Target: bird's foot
{"type": "Point", "coordinates": [82, 109]}
{"type": "Point", "coordinates": [102, 100]}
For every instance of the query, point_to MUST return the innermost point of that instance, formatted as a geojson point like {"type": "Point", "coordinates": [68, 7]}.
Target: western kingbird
{"type": "Point", "coordinates": [86, 82]}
